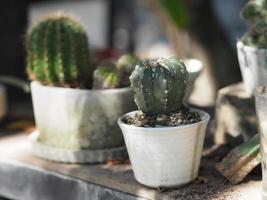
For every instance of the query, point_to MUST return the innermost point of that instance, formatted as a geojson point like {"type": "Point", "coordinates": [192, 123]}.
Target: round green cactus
{"type": "Point", "coordinates": [255, 12]}
{"type": "Point", "coordinates": [57, 51]}
{"type": "Point", "coordinates": [112, 74]}
{"type": "Point", "coordinates": [257, 36]}
{"type": "Point", "coordinates": [106, 76]}
{"type": "Point", "coordinates": [159, 85]}
{"type": "Point", "coordinates": [125, 65]}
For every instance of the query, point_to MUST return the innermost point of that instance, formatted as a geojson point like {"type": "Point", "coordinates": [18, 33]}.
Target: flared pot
{"type": "Point", "coordinates": [167, 156]}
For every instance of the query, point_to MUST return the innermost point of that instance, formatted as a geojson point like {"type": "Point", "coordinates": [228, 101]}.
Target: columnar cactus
{"type": "Point", "coordinates": [255, 12]}
{"type": "Point", "coordinates": [57, 51]}
{"type": "Point", "coordinates": [159, 85]}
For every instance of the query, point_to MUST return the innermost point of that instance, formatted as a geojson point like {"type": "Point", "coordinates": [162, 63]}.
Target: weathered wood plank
{"type": "Point", "coordinates": [241, 160]}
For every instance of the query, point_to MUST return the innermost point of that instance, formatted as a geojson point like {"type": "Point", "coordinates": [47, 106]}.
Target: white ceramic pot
{"type": "Point", "coordinates": [76, 119]}
{"type": "Point", "coordinates": [165, 157]}
{"type": "Point", "coordinates": [194, 68]}
{"type": "Point", "coordinates": [253, 66]}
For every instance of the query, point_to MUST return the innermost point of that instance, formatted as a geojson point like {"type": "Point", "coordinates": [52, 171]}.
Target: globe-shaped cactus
{"type": "Point", "coordinates": [255, 12]}
{"type": "Point", "coordinates": [106, 76]}
{"type": "Point", "coordinates": [57, 51]}
{"type": "Point", "coordinates": [159, 85]}
{"type": "Point", "coordinates": [125, 65]}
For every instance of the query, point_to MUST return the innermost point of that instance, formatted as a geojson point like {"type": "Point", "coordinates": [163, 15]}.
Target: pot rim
{"type": "Point", "coordinates": [204, 119]}
{"type": "Point", "coordinates": [240, 44]}
{"type": "Point", "coordinates": [197, 70]}
{"type": "Point", "coordinates": [113, 90]}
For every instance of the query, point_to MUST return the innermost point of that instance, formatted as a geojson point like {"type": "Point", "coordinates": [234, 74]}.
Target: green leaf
{"type": "Point", "coordinates": [176, 11]}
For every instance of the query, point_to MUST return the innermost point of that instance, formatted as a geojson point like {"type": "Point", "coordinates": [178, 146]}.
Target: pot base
{"type": "Point", "coordinates": [171, 187]}
{"type": "Point", "coordinates": [75, 156]}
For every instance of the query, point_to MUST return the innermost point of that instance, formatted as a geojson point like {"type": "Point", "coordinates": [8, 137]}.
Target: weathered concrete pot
{"type": "Point", "coordinates": [77, 120]}
{"type": "Point", "coordinates": [165, 157]}
{"type": "Point", "coordinates": [253, 66]}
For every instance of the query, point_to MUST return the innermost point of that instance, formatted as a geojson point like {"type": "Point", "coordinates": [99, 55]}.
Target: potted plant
{"type": "Point", "coordinates": [252, 48]}
{"type": "Point", "coordinates": [75, 123]}
{"type": "Point", "coordinates": [164, 138]}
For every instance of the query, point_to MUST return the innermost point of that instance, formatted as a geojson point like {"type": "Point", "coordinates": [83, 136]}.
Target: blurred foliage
{"type": "Point", "coordinates": [176, 11]}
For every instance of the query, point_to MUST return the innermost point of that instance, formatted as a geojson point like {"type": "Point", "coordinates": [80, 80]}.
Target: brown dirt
{"type": "Point", "coordinates": [182, 117]}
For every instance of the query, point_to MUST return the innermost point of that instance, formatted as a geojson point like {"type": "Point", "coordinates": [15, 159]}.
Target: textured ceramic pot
{"type": "Point", "coordinates": [165, 157]}
{"type": "Point", "coordinates": [253, 66]}
{"type": "Point", "coordinates": [77, 119]}
{"type": "Point", "coordinates": [194, 68]}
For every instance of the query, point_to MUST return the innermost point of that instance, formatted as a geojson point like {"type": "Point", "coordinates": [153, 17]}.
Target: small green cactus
{"type": "Point", "coordinates": [159, 85]}
{"type": "Point", "coordinates": [257, 36]}
{"type": "Point", "coordinates": [106, 76]}
{"type": "Point", "coordinates": [57, 51]}
{"type": "Point", "coordinates": [255, 12]}
{"type": "Point", "coordinates": [111, 74]}
{"type": "Point", "coordinates": [125, 65]}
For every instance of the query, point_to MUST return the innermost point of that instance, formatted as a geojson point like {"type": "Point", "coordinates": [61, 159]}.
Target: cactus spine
{"type": "Point", "coordinates": [159, 85]}
{"type": "Point", "coordinates": [255, 12]}
{"type": "Point", "coordinates": [57, 51]}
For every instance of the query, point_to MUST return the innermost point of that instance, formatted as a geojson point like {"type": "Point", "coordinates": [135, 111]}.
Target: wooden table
{"type": "Point", "coordinates": [24, 176]}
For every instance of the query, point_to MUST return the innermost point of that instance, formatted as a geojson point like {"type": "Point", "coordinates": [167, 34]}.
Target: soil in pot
{"type": "Point", "coordinates": [182, 117]}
